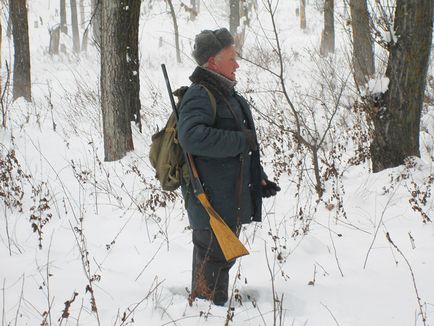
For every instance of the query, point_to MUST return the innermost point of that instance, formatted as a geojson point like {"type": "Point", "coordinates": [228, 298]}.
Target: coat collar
{"type": "Point", "coordinates": [214, 80]}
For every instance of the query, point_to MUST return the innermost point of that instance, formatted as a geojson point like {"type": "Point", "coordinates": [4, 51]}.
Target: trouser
{"type": "Point", "coordinates": [210, 276]}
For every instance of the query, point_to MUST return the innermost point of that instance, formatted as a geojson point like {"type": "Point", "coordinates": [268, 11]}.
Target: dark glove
{"type": "Point", "coordinates": [252, 144]}
{"type": "Point", "coordinates": [270, 189]}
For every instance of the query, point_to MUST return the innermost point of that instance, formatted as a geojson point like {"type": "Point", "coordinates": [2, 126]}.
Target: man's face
{"type": "Point", "coordinates": [225, 62]}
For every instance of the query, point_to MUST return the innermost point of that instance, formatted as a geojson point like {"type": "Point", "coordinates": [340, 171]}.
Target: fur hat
{"type": "Point", "coordinates": [208, 43]}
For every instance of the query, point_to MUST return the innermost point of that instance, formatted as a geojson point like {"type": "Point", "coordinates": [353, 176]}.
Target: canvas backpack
{"type": "Point", "coordinates": [166, 154]}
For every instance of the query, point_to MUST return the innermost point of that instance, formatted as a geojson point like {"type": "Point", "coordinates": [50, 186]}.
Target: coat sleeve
{"type": "Point", "coordinates": [195, 131]}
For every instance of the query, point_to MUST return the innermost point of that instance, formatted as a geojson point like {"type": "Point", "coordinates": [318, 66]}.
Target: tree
{"type": "Point", "coordinates": [132, 21]}
{"type": "Point", "coordinates": [20, 31]}
{"type": "Point", "coordinates": [303, 14]}
{"type": "Point", "coordinates": [82, 14]}
{"type": "Point", "coordinates": [175, 26]}
{"type": "Point", "coordinates": [236, 9]}
{"type": "Point", "coordinates": [114, 79]}
{"type": "Point", "coordinates": [74, 22]}
{"type": "Point", "coordinates": [396, 134]}
{"type": "Point", "coordinates": [63, 26]}
{"type": "Point", "coordinates": [194, 9]}
{"type": "Point", "coordinates": [96, 20]}
{"type": "Point", "coordinates": [363, 52]}
{"type": "Point", "coordinates": [54, 40]}
{"type": "Point", "coordinates": [234, 16]}
{"type": "Point", "coordinates": [328, 33]}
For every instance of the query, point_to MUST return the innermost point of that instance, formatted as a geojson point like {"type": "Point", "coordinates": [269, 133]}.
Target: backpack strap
{"type": "Point", "coordinates": [212, 100]}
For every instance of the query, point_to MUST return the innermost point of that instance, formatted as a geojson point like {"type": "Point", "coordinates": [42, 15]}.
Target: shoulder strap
{"type": "Point", "coordinates": [212, 100]}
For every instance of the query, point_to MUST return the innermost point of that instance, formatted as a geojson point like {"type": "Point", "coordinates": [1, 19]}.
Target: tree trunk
{"type": "Point", "coordinates": [1, 41]}
{"type": "Point", "coordinates": [328, 33]}
{"type": "Point", "coordinates": [54, 41]}
{"type": "Point", "coordinates": [63, 26]}
{"type": "Point", "coordinates": [133, 63]}
{"type": "Point", "coordinates": [396, 135]}
{"type": "Point", "coordinates": [363, 52]}
{"type": "Point", "coordinates": [96, 21]}
{"type": "Point", "coordinates": [74, 22]}
{"type": "Point", "coordinates": [234, 17]}
{"type": "Point", "coordinates": [114, 82]}
{"type": "Point", "coordinates": [175, 25]}
{"type": "Point", "coordinates": [303, 14]}
{"type": "Point", "coordinates": [245, 11]}
{"type": "Point", "coordinates": [194, 9]}
{"type": "Point", "coordinates": [85, 40]}
{"type": "Point", "coordinates": [20, 32]}
{"type": "Point", "coordinates": [82, 14]}
{"type": "Point", "coordinates": [9, 25]}
{"type": "Point", "coordinates": [234, 23]}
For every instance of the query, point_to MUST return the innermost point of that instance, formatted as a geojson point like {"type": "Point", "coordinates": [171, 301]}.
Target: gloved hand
{"type": "Point", "coordinates": [269, 189]}
{"type": "Point", "coordinates": [251, 139]}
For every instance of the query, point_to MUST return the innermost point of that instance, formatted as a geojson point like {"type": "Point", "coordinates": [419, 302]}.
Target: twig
{"type": "Point", "coordinates": [3, 96]}
{"type": "Point", "coordinates": [334, 318]}
{"type": "Point", "coordinates": [334, 250]}
{"type": "Point", "coordinates": [130, 311]}
{"type": "Point", "coordinates": [48, 280]}
{"type": "Point", "coordinates": [150, 261]}
{"type": "Point", "coordinates": [79, 312]}
{"type": "Point", "coordinates": [7, 231]}
{"type": "Point", "coordinates": [19, 302]}
{"type": "Point", "coordinates": [4, 302]}
{"type": "Point", "coordinates": [229, 312]}
{"type": "Point", "coordinates": [412, 276]}
{"type": "Point", "coordinates": [275, 297]}
{"type": "Point", "coordinates": [314, 276]}
{"type": "Point", "coordinates": [378, 227]}
{"type": "Point", "coordinates": [81, 243]}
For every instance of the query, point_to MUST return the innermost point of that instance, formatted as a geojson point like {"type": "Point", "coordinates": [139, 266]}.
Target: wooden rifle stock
{"type": "Point", "coordinates": [229, 243]}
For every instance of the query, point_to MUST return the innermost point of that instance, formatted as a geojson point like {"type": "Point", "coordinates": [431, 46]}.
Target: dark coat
{"type": "Point", "coordinates": [217, 144]}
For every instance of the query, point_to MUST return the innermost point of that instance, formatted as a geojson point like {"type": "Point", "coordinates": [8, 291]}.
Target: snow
{"type": "Point", "coordinates": [111, 224]}
{"type": "Point", "coordinates": [379, 85]}
{"type": "Point", "coordinates": [389, 36]}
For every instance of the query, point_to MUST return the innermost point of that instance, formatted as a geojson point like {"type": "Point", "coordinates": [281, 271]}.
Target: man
{"type": "Point", "coordinates": [225, 149]}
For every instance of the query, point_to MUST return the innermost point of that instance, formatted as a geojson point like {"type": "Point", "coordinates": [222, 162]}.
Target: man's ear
{"type": "Point", "coordinates": [211, 62]}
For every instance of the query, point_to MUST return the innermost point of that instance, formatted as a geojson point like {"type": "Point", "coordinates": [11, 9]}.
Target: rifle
{"type": "Point", "coordinates": [229, 243]}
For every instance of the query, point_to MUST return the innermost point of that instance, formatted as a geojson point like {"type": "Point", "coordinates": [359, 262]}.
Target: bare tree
{"type": "Point", "coordinates": [54, 40]}
{"type": "Point", "coordinates": [1, 41]}
{"type": "Point", "coordinates": [194, 9]}
{"type": "Point", "coordinates": [114, 81]}
{"type": "Point", "coordinates": [363, 47]}
{"type": "Point", "coordinates": [96, 20]}
{"type": "Point", "coordinates": [133, 71]}
{"type": "Point", "coordinates": [328, 33]}
{"type": "Point", "coordinates": [303, 14]}
{"type": "Point", "coordinates": [300, 122]}
{"type": "Point", "coordinates": [20, 31]}
{"type": "Point", "coordinates": [234, 16]}
{"type": "Point", "coordinates": [82, 13]}
{"type": "Point", "coordinates": [396, 123]}
{"type": "Point", "coordinates": [75, 32]}
{"type": "Point", "coordinates": [175, 26]}
{"type": "Point", "coordinates": [63, 26]}
{"type": "Point", "coordinates": [238, 9]}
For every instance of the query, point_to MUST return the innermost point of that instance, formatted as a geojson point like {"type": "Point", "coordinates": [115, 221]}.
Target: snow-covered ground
{"type": "Point", "coordinates": [124, 247]}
